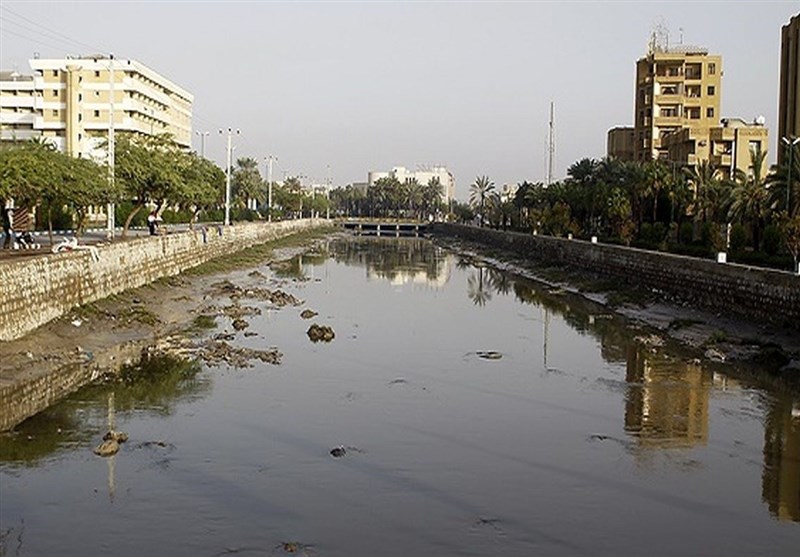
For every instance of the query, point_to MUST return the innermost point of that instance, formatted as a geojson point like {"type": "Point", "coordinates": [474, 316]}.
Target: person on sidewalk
{"type": "Point", "coordinates": [151, 222]}
{"type": "Point", "coordinates": [8, 225]}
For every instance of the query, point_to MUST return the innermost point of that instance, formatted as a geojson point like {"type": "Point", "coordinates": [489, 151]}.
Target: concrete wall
{"type": "Point", "coordinates": [37, 290]}
{"type": "Point", "coordinates": [751, 292]}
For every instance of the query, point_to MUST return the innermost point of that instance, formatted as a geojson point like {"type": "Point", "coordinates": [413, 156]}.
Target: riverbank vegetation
{"type": "Point", "coordinates": [654, 205]}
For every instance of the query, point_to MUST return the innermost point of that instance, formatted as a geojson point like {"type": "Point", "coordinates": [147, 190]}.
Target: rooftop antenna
{"type": "Point", "coordinates": [551, 144]}
{"type": "Point", "coordinates": [680, 31]}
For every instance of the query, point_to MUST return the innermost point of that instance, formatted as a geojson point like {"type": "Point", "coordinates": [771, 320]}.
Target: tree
{"type": "Point", "coordinates": [657, 177]}
{"type": "Point", "coordinates": [146, 170]}
{"type": "Point", "coordinates": [432, 196]}
{"type": "Point", "coordinates": [790, 228]}
{"type": "Point", "coordinates": [478, 192]}
{"type": "Point", "coordinates": [246, 182]}
{"type": "Point", "coordinates": [749, 196]}
{"type": "Point", "coordinates": [705, 183]}
{"type": "Point", "coordinates": [203, 185]}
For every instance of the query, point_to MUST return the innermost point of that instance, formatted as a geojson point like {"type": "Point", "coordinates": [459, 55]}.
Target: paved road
{"type": "Point", "coordinates": [91, 236]}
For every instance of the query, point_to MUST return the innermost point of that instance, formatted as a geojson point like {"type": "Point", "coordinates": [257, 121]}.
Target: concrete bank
{"type": "Point", "coordinates": [36, 291]}
{"type": "Point", "coordinates": [40, 368]}
{"type": "Point", "coordinates": [751, 292]}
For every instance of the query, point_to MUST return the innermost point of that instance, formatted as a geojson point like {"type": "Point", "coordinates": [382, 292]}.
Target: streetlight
{"type": "Point", "coordinates": [110, 224]}
{"type": "Point", "coordinates": [270, 159]}
{"type": "Point", "coordinates": [790, 145]}
{"type": "Point", "coordinates": [203, 136]}
{"type": "Point", "coordinates": [228, 177]}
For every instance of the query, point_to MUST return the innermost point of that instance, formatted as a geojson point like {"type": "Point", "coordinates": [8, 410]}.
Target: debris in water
{"type": "Point", "coordinates": [320, 333]}
{"type": "Point", "coordinates": [240, 324]}
{"type": "Point", "coordinates": [109, 447]}
{"type": "Point", "coordinates": [118, 436]}
{"type": "Point", "coordinates": [489, 354]}
{"type": "Point", "coordinates": [338, 452]}
{"type": "Point", "coordinates": [308, 314]}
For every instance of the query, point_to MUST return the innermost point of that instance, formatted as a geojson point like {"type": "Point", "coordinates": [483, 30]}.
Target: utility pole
{"type": "Point", "coordinates": [270, 160]}
{"type": "Point", "coordinates": [228, 177]}
{"type": "Point", "coordinates": [790, 145]}
{"type": "Point", "coordinates": [110, 206]}
{"type": "Point", "coordinates": [203, 136]}
{"type": "Point", "coordinates": [328, 195]}
{"type": "Point", "coordinates": [551, 144]}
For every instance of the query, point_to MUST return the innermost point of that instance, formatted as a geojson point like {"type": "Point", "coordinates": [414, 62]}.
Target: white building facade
{"type": "Point", "coordinates": [70, 102]}
{"type": "Point", "coordinates": [423, 175]}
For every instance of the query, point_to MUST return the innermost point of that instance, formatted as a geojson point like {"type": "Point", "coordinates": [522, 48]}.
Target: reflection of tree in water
{"type": "Point", "coordinates": [478, 289]}
{"type": "Point", "coordinates": [393, 258]}
{"type": "Point", "coordinates": [780, 478]}
{"type": "Point", "coordinates": [294, 268]}
{"type": "Point", "coordinates": [156, 385]}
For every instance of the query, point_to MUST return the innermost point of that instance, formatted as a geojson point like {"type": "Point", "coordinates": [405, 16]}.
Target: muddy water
{"type": "Point", "coordinates": [479, 413]}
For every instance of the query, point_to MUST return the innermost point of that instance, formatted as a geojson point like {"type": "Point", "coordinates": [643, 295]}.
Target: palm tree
{"type": "Point", "coordinates": [785, 195]}
{"type": "Point", "coordinates": [705, 183]}
{"type": "Point", "coordinates": [657, 177]}
{"type": "Point", "coordinates": [478, 192]}
{"type": "Point", "coordinates": [432, 195]}
{"type": "Point", "coordinates": [749, 196]}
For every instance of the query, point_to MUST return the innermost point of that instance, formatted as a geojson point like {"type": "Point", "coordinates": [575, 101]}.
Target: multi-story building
{"type": "Point", "coordinates": [789, 96]}
{"type": "Point", "coordinates": [676, 87]}
{"type": "Point", "coordinates": [726, 146]}
{"type": "Point", "coordinates": [71, 102]}
{"type": "Point", "coordinates": [422, 175]}
{"type": "Point", "coordinates": [620, 144]}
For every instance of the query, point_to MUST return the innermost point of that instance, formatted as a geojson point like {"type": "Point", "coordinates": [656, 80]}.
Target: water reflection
{"type": "Point", "coordinates": [155, 385]}
{"type": "Point", "coordinates": [780, 480]}
{"type": "Point", "coordinates": [398, 260]}
{"type": "Point", "coordinates": [667, 402]}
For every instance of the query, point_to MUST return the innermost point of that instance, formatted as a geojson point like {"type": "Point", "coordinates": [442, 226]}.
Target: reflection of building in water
{"type": "Point", "coordinates": [398, 260]}
{"type": "Point", "coordinates": [667, 402]}
{"type": "Point", "coordinates": [780, 480]}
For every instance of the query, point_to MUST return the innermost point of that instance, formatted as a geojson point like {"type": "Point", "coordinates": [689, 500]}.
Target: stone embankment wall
{"type": "Point", "coordinates": [37, 290]}
{"type": "Point", "coordinates": [752, 292]}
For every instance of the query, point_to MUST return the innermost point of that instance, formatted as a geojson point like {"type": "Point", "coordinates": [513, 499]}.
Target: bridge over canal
{"type": "Point", "coordinates": [385, 228]}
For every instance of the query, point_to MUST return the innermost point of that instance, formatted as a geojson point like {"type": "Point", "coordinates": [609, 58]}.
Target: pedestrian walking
{"type": "Point", "coordinates": [151, 223]}
{"type": "Point", "coordinates": [8, 224]}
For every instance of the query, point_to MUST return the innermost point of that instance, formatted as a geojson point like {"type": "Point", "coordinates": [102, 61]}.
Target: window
{"type": "Point", "coordinates": [97, 73]}
{"type": "Point", "coordinates": [712, 68]}
{"type": "Point", "coordinates": [80, 96]}
{"type": "Point", "coordinates": [97, 114]}
{"type": "Point", "coordinates": [55, 93]}
{"type": "Point", "coordinates": [97, 93]}
{"type": "Point", "coordinates": [710, 112]}
{"type": "Point", "coordinates": [711, 90]}
{"type": "Point", "coordinates": [55, 73]}
{"type": "Point", "coordinates": [55, 112]}
{"type": "Point", "coordinates": [80, 117]}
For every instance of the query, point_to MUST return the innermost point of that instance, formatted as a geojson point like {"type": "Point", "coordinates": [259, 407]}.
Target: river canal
{"type": "Point", "coordinates": [480, 414]}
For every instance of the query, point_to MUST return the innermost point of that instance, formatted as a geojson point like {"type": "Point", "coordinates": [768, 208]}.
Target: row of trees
{"type": "Point", "coordinates": [656, 204]}
{"type": "Point", "coordinates": [388, 197]}
{"type": "Point", "coordinates": [149, 172]}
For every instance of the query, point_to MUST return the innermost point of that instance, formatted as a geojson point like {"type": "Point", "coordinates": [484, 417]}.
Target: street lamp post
{"type": "Point", "coordinates": [270, 160]}
{"type": "Point", "coordinates": [203, 136]}
{"type": "Point", "coordinates": [111, 225]}
{"type": "Point", "coordinates": [790, 145]}
{"type": "Point", "coordinates": [328, 195]}
{"type": "Point", "coordinates": [228, 177]}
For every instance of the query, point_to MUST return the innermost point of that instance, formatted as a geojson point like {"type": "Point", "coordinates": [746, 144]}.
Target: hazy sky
{"type": "Point", "coordinates": [369, 85]}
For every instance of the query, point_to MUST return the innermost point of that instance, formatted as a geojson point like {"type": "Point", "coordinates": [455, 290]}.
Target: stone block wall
{"type": "Point", "coordinates": [751, 292]}
{"type": "Point", "coordinates": [37, 290]}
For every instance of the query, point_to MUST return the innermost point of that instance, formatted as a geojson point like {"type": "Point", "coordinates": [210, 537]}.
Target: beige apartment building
{"type": "Point", "coordinates": [726, 146]}
{"type": "Point", "coordinates": [620, 143]}
{"type": "Point", "coordinates": [676, 87]}
{"type": "Point", "coordinates": [789, 96]}
{"type": "Point", "coordinates": [71, 103]}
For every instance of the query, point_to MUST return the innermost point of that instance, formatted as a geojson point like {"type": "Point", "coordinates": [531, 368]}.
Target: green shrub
{"type": "Point", "coordinates": [685, 233]}
{"type": "Point", "coordinates": [738, 238]}
{"type": "Point", "coordinates": [772, 240]}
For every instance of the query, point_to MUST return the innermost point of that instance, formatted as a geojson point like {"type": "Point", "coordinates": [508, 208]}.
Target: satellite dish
{"type": "Point", "coordinates": [760, 120]}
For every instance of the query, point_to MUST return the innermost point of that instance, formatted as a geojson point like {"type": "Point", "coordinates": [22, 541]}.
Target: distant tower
{"type": "Point", "coordinates": [551, 144]}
